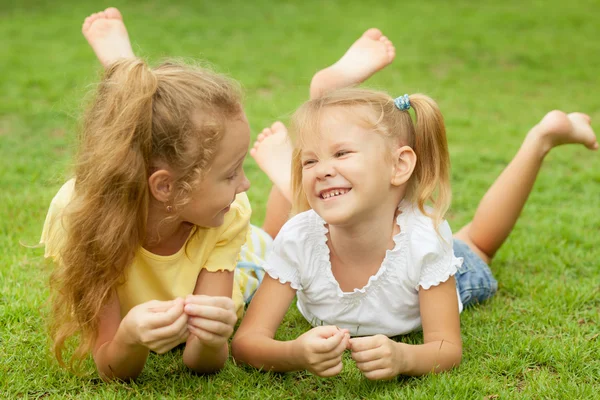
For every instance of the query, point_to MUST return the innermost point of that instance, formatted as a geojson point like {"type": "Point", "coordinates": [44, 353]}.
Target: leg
{"type": "Point", "coordinates": [278, 212]}
{"type": "Point", "coordinates": [369, 54]}
{"type": "Point", "coordinates": [500, 207]}
{"type": "Point", "coordinates": [106, 33]}
{"type": "Point", "coordinates": [273, 154]}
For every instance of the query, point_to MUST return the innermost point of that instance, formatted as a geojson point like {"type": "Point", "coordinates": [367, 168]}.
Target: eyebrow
{"type": "Point", "coordinates": [334, 147]}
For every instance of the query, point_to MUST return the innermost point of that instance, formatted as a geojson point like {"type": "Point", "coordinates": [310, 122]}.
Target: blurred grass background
{"type": "Point", "coordinates": [495, 69]}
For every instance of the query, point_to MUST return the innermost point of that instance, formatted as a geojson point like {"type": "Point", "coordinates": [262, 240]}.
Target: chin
{"type": "Point", "coordinates": [335, 218]}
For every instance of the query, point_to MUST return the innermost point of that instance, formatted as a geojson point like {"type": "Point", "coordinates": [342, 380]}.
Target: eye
{"type": "Point", "coordinates": [308, 163]}
{"type": "Point", "coordinates": [232, 177]}
{"type": "Point", "coordinates": [342, 153]}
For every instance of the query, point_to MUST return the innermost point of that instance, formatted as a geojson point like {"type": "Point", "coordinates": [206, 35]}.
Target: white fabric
{"type": "Point", "coordinates": [389, 303]}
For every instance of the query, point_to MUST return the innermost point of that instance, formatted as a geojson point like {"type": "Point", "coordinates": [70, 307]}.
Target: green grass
{"type": "Point", "coordinates": [495, 69]}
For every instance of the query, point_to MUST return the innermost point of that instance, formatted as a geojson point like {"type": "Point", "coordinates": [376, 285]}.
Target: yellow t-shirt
{"type": "Point", "coordinates": [154, 277]}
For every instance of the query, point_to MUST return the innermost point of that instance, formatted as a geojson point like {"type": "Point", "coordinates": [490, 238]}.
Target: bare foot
{"type": "Point", "coordinates": [557, 128]}
{"type": "Point", "coordinates": [106, 33]}
{"type": "Point", "coordinates": [273, 154]}
{"type": "Point", "coordinates": [369, 54]}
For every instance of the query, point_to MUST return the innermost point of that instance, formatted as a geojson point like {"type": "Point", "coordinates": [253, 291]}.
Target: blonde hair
{"type": "Point", "coordinates": [172, 114]}
{"type": "Point", "coordinates": [430, 182]}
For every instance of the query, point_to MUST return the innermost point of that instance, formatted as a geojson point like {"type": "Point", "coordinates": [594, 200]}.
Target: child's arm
{"type": "Point", "coordinates": [211, 320]}
{"type": "Point", "coordinates": [379, 357]}
{"type": "Point", "coordinates": [318, 350]}
{"type": "Point", "coordinates": [122, 345]}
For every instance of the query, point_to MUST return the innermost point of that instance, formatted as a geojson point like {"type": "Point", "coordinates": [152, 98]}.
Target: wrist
{"type": "Point", "coordinates": [127, 335]}
{"type": "Point", "coordinates": [297, 354]}
{"type": "Point", "coordinates": [404, 357]}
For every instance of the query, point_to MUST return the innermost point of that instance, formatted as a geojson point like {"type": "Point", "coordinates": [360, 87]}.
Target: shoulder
{"type": "Point", "coordinates": [423, 234]}
{"type": "Point", "coordinates": [54, 232]}
{"type": "Point", "coordinates": [239, 213]}
{"type": "Point", "coordinates": [64, 195]}
{"type": "Point", "coordinates": [301, 226]}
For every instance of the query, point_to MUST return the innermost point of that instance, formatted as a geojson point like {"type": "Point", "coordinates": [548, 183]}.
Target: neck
{"type": "Point", "coordinates": [365, 242]}
{"type": "Point", "coordinates": [164, 237]}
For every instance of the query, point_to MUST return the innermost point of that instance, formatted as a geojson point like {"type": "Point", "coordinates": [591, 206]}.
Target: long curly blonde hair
{"type": "Point", "coordinates": [173, 114]}
{"type": "Point", "coordinates": [430, 182]}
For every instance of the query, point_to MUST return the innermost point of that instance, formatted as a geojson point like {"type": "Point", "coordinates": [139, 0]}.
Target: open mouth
{"type": "Point", "coordinates": [330, 193]}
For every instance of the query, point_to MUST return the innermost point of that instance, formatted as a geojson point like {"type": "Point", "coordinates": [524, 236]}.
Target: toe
{"type": "Point", "coordinates": [113, 13]}
{"type": "Point", "coordinates": [278, 126]}
{"type": "Point", "coordinates": [261, 137]}
{"type": "Point", "coordinates": [373, 33]}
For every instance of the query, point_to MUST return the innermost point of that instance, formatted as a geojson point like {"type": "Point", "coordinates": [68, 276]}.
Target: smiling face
{"type": "Point", "coordinates": [211, 199]}
{"type": "Point", "coordinates": [347, 170]}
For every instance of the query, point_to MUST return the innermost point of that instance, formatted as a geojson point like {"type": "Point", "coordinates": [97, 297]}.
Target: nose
{"type": "Point", "coordinates": [325, 169]}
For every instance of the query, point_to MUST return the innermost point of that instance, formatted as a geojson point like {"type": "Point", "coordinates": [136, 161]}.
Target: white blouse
{"type": "Point", "coordinates": [389, 303]}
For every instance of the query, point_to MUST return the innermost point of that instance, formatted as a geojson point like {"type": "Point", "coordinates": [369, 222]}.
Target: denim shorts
{"type": "Point", "coordinates": [474, 278]}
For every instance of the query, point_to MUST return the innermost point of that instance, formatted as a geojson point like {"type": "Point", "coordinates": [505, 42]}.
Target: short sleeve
{"type": "Point", "coordinates": [232, 236]}
{"type": "Point", "coordinates": [433, 252]}
{"type": "Point", "coordinates": [286, 256]}
{"type": "Point", "coordinates": [54, 233]}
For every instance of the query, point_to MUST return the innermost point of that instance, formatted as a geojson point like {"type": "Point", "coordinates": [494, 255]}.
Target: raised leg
{"type": "Point", "coordinates": [107, 35]}
{"type": "Point", "coordinates": [501, 206]}
{"type": "Point", "coordinates": [369, 54]}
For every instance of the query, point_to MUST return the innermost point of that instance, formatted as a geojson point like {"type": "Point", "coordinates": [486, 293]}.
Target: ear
{"type": "Point", "coordinates": [403, 165]}
{"type": "Point", "coordinates": [161, 185]}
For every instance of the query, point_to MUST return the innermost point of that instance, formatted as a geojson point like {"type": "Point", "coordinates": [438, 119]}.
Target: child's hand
{"type": "Point", "coordinates": [321, 349]}
{"type": "Point", "coordinates": [378, 357]}
{"type": "Point", "coordinates": [210, 318]}
{"type": "Point", "coordinates": [157, 325]}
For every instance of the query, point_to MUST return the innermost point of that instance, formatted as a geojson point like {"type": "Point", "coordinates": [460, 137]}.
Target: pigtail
{"type": "Point", "coordinates": [432, 170]}
{"type": "Point", "coordinates": [106, 220]}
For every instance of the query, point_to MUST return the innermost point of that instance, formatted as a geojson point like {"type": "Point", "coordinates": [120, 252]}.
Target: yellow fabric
{"type": "Point", "coordinates": [153, 277]}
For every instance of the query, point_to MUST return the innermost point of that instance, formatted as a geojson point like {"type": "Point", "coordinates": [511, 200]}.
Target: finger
{"type": "Point", "coordinates": [327, 364]}
{"type": "Point", "coordinates": [337, 351]}
{"type": "Point", "coordinates": [328, 345]}
{"type": "Point", "coordinates": [214, 301]}
{"type": "Point", "coordinates": [379, 374]}
{"type": "Point", "coordinates": [158, 306]}
{"type": "Point", "coordinates": [346, 341]}
{"type": "Point", "coordinates": [207, 337]}
{"type": "Point", "coordinates": [165, 345]}
{"type": "Point", "coordinates": [216, 327]}
{"type": "Point", "coordinates": [166, 318]}
{"type": "Point", "coordinates": [212, 313]}
{"type": "Point", "coordinates": [365, 355]}
{"type": "Point", "coordinates": [333, 371]}
{"type": "Point", "coordinates": [363, 343]}
{"type": "Point", "coordinates": [171, 330]}
{"type": "Point", "coordinates": [371, 365]}
{"type": "Point", "coordinates": [183, 335]}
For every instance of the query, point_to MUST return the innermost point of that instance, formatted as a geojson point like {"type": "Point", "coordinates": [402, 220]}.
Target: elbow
{"type": "Point", "coordinates": [111, 376]}
{"type": "Point", "coordinates": [242, 351]}
{"type": "Point", "coordinates": [214, 367]}
{"type": "Point", "coordinates": [457, 355]}
{"type": "Point", "coordinates": [453, 358]}
{"type": "Point", "coordinates": [238, 350]}
{"type": "Point", "coordinates": [206, 363]}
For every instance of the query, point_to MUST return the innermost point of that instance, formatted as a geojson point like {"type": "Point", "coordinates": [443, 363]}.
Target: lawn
{"type": "Point", "coordinates": [494, 67]}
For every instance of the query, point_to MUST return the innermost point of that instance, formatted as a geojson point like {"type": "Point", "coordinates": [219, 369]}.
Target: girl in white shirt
{"type": "Point", "coordinates": [365, 255]}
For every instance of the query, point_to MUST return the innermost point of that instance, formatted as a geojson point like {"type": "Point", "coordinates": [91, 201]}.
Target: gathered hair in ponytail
{"type": "Point", "coordinates": [430, 182]}
{"type": "Point", "coordinates": [140, 116]}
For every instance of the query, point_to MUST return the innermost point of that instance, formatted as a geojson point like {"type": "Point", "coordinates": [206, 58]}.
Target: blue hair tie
{"type": "Point", "coordinates": [402, 103]}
